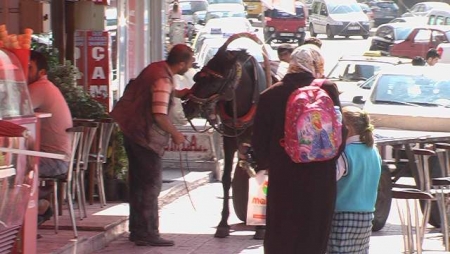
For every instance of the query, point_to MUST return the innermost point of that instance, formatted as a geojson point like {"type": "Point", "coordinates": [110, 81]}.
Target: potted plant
{"type": "Point", "coordinates": [83, 106]}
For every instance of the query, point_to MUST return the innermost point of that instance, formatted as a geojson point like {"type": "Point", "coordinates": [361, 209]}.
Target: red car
{"type": "Point", "coordinates": [420, 40]}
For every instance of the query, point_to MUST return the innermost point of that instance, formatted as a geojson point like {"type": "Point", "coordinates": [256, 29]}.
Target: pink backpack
{"type": "Point", "coordinates": [313, 125]}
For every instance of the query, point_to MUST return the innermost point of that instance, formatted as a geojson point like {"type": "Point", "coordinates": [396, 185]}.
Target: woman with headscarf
{"type": "Point", "coordinates": [301, 196]}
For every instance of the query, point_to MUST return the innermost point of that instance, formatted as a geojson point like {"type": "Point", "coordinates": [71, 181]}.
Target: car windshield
{"type": "Point", "coordinates": [389, 5]}
{"type": "Point", "coordinates": [344, 8]}
{"type": "Point", "coordinates": [356, 70]}
{"type": "Point", "coordinates": [411, 89]}
{"type": "Point", "coordinates": [223, 14]}
{"type": "Point", "coordinates": [189, 7]}
{"type": "Point", "coordinates": [284, 15]}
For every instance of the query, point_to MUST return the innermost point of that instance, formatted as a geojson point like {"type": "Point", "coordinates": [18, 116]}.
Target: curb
{"type": "Point", "coordinates": [178, 188]}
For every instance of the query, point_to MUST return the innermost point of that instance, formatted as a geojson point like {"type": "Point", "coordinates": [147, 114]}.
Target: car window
{"type": "Point", "coordinates": [315, 8]}
{"type": "Point", "coordinates": [356, 70]}
{"type": "Point", "coordinates": [401, 33]}
{"type": "Point", "coordinates": [438, 37]}
{"type": "Point", "coordinates": [369, 83]}
{"type": "Point", "coordinates": [385, 31]}
{"type": "Point", "coordinates": [388, 5]}
{"type": "Point", "coordinates": [424, 35]}
{"type": "Point", "coordinates": [447, 21]}
{"type": "Point", "coordinates": [188, 8]}
{"type": "Point", "coordinates": [284, 15]}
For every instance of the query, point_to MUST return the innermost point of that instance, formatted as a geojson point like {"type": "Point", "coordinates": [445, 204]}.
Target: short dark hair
{"type": "Point", "coordinates": [432, 53]}
{"type": "Point", "coordinates": [418, 61]}
{"type": "Point", "coordinates": [285, 48]}
{"type": "Point", "coordinates": [40, 59]}
{"type": "Point", "coordinates": [314, 41]}
{"type": "Point", "coordinates": [179, 53]}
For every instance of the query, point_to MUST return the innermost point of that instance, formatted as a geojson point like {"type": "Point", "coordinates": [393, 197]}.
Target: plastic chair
{"type": "Point", "coordinates": [82, 160]}
{"type": "Point", "coordinates": [99, 155]}
{"type": "Point", "coordinates": [59, 181]}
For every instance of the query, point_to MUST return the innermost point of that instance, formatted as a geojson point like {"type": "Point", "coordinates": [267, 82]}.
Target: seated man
{"type": "Point", "coordinates": [47, 98]}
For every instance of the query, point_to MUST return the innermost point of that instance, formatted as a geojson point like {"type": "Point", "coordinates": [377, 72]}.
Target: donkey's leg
{"type": "Point", "coordinates": [229, 147]}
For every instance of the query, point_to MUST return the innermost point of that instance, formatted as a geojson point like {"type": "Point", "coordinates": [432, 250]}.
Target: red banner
{"type": "Point", "coordinates": [93, 63]}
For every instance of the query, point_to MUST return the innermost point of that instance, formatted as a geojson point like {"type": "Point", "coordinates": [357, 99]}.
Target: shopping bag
{"type": "Point", "coordinates": [257, 199]}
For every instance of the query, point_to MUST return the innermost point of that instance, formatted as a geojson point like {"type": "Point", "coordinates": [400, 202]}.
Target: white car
{"type": "Point", "coordinates": [423, 8]}
{"type": "Point", "coordinates": [225, 10]}
{"type": "Point", "coordinates": [211, 46]}
{"type": "Point", "coordinates": [222, 28]}
{"type": "Point", "coordinates": [410, 97]}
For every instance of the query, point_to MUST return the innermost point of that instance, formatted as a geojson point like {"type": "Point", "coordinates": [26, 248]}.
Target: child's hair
{"type": "Point", "coordinates": [359, 121]}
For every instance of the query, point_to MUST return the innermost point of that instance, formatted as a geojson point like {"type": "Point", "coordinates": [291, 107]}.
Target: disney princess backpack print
{"type": "Point", "coordinates": [313, 125]}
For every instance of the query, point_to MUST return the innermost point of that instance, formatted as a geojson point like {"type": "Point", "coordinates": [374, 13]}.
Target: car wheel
{"type": "Point", "coordinates": [347, 36]}
{"type": "Point", "coordinates": [384, 198]}
{"type": "Point", "coordinates": [330, 34]}
{"type": "Point", "coordinates": [365, 36]}
{"type": "Point", "coordinates": [373, 48]}
{"type": "Point", "coordinates": [311, 31]}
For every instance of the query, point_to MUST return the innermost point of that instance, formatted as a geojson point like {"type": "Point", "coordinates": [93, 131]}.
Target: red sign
{"type": "Point", "coordinates": [92, 59]}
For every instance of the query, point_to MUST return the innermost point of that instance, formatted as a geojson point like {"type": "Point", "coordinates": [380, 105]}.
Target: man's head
{"type": "Point", "coordinates": [180, 59]}
{"type": "Point", "coordinates": [418, 61]}
{"type": "Point", "coordinates": [284, 52]}
{"type": "Point", "coordinates": [432, 57]}
{"type": "Point", "coordinates": [38, 66]}
{"type": "Point", "coordinates": [313, 41]}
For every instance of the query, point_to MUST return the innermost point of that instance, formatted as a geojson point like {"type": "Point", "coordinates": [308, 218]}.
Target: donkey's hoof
{"type": "Point", "coordinates": [259, 233]}
{"type": "Point", "coordinates": [222, 232]}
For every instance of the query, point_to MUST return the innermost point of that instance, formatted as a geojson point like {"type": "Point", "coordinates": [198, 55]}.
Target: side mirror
{"type": "Point", "coordinates": [201, 22]}
{"type": "Point", "coordinates": [195, 65]}
{"type": "Point", "coordinates": [358, 100]}
{"type": "Point", "coordinates": [256, 30]}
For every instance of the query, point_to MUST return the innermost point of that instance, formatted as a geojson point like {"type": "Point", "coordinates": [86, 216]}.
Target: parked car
{"type": "Point", "coordinates": [350, 70]}
{"type": "Point", "coordinates": [384, 11]}
{"type": "Point", "coordinates": [281, 26]}
{"type": "Point", "coordinates": [338, 17]}
{"type": "Point", "coordinates": [225, 10]}
{"type": "Point", "coordinates": [410, 20]}
{"type": "Point", "coordinates": [368, 11]}
{"type": "Point", "coordinates": [211, 46]}
{"type": "Point", "coordinates": [438, 17]}
{"type": "Point", "coordinates": [423, 8]}
{"type": "Point", "coordinates": [410, 97]}
{"type": "Point", "coordinates": [189, 7]}
{"type": "Point", "coordinates": [222, 28]}
{"type": "Point", "coordinates": [420, 40]}
{"type": "Point", "coordinates": [388, 34]}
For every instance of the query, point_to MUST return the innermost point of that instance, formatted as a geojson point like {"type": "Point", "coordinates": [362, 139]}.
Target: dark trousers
{"type": "Point", "coordinates": [145, 180]}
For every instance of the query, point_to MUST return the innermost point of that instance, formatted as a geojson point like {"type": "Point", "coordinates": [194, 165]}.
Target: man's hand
{"type": "Point", "coordinates": [178, 138]}
{"type": "Point", "coordinates": [183, 93]}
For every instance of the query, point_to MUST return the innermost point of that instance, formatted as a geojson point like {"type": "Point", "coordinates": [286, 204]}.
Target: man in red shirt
{"type": "Point", "coordinates": [142, 114]}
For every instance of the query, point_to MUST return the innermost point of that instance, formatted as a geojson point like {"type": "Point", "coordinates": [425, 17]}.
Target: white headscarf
{"type": "Point", "coordinates": [307, 58]}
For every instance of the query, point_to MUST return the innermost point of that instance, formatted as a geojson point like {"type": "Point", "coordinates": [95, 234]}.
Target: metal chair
{"type": "Point", "coordinates": [441, 186]}
{"type": "Point", "coordinates": [76, 133]}
{"type": "Point", "coordinates": [82, 160]}
{"type": "Point", "coordinates": [405, 214]}
{"type": "Point", "coordinates": [99, 155]}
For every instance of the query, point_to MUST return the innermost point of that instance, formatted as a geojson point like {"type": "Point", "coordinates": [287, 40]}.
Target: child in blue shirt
{"type": "Point", "coordinates": [358, 174]}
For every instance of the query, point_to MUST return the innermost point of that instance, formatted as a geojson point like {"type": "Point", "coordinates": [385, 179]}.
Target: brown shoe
{"type": "Point", "coordinates": [154, 242]}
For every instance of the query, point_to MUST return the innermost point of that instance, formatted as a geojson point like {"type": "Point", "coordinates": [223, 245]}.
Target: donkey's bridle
{"type": "Point", "coordinates": [210, 102]}
{"type": "Point", "coordinates": [214, 98]}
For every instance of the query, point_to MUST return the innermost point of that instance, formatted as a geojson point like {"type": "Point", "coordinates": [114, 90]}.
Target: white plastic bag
{"type": "Point", "coordinates": [257, 199]}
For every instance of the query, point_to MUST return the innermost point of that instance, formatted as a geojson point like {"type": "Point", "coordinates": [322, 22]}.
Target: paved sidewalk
{"type": "Point", "coordinates": [193, 230]}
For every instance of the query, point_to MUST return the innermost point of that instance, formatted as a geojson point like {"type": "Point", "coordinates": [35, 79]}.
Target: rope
{"type": "Point", "coordinates": [184, 180]}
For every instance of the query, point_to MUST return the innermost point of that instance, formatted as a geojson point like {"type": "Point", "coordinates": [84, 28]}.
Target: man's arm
{"type": "Point", "coordinates": [36, 95]}
{"type": "Point", "coordinates": [160, 107]}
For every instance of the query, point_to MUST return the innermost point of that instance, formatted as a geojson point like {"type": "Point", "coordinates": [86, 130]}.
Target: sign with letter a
{"type": "Point", "coordinates": [92, 59]}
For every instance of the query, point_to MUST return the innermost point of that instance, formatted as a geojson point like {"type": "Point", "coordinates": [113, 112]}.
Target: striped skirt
{"type": "Point", "coordinates": [350, 233]}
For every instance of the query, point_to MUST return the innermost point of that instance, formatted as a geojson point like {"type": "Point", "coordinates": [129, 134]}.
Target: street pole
{"type": "Point", "coordinates": [57, 9]}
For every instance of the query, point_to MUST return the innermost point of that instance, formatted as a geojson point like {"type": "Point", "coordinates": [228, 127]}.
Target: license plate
{"type": "Point", "coordinates": [353, 28]}
{"type": "Point", "coordinates": [286, 34]}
